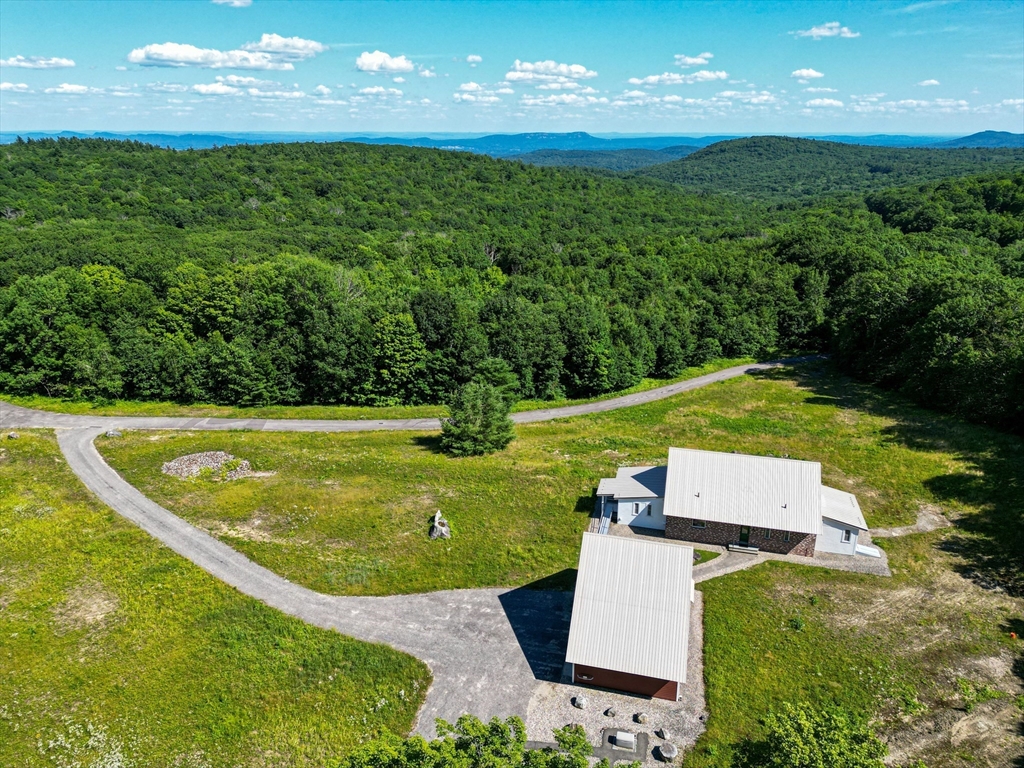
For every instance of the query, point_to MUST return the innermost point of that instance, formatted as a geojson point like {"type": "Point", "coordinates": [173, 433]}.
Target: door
{"type": "Point", "coordinates": [745, 535]}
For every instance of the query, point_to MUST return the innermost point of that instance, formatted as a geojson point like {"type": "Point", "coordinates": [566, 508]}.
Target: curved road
{"type": "Point", "coordinates": [487, 648]}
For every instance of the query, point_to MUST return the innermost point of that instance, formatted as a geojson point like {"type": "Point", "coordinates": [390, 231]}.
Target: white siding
{"type": "Point", "coordinates": [831, 538]}
{"type": "Point", "coordinates": [655, 520]}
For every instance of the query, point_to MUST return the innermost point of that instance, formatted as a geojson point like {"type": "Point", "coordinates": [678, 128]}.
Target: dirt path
{"type": "Point", "coordinates": [16, 416]}
{"type": "Point", "coordinates": [928, 519]}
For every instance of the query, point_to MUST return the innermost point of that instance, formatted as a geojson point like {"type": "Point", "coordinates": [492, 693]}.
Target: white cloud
{"type": "Point", "coordinates": [241, 80]}
{"type": "Point", "coordinates": [561, 100]}
{"type": "Point", "coordinates": [749, 97]}
{"type": "Point", "coordinates": [184, 55]}
{"type": "Point", "coordinates": [14, 87]}
{"type": "Point", "coordinates": [819, 90]}
{"type": "Point", "coordinates": [471, 86]}
{"type": "Point", "coordinates": [829, 29]}
{"type": "Point", "coordinates": [473, 59]}
{"type": "Point", "coordinates": [476, 98]}
{"type": "Point", "coordinates": [37, 62]}
{"type": "Point", "coordinates": [73, 89]}
{"type": "Point", "coordinates": [168, 87]}
{"type": "Point", "coordinates": [233, 3]}
{"type": "Point", "coordinates": [121, 69]}
{"type": "Point", "coordinates": [806, 74]}
{"type": "Point", "coordinates": [929, 82]}
{"type": "Point", "coordinates": [506, 90]}
{"type": "Point", "coordinates": [260, 94]}
{"type": "Point", "coordinates": [379, 90]}
{"type": "Point", "coordinates": [322, 90]}
{"type": "Point", "coordinates": [547, 72]}
{"type": "Point", "coordinates": [288, 48]}
{"type": "Point", "coordinates": [682, 60]}
{"type": "Point", "coordinates": [215, 89]}
{"type": "Point", "coordinates": [1012, 102]}
{"type": "Point", "coordinates": [424, 72]}
{"type": "Point", "coordinates": [824, 103]}
{"type": "Point", "coordinates": [379, 61]}
{"type": "Point", "coordinates": [675, 78]}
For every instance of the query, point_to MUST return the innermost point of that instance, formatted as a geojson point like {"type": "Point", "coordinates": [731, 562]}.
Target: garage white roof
{"type": "Point", "coordinates": [634, 483]}
{"type": "Point", "coordinates": [842, 507]}
{"type": "Point", "coordinates": [631, 612]}
{"type": "Point", "coordinates": [759, 491]}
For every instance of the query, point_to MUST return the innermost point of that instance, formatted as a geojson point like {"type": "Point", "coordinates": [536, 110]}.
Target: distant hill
{"type": "Point", "coordinates": [985, 139]}
{"type": "Point", "coordinates": [781, 168]}
{"type": "Point", "coordinates": [611, 160]}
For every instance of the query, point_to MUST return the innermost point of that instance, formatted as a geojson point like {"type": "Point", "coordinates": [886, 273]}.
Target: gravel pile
{"type": "Point", "coordinates": [191, 465]}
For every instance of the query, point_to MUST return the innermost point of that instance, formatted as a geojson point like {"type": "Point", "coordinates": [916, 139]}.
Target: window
{"type": "Point", "coordinates": [846, 536]}
{"type": "Point", "coordinates": [767, 533]}
{"type": "Point", "coordinates": [636, 508]}
{"type": "Point", "coordinates": [698, 524]}
{"type": "Point", "coordinates": [785, 535]}
{"type": "Point", "coordinates": [648, 510]}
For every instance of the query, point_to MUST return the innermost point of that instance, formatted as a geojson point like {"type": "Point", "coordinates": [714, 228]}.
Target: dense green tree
{"type": "Point", "coordinates": [478, 421]}
{"type": "Point", "coordinates": [808, 736]}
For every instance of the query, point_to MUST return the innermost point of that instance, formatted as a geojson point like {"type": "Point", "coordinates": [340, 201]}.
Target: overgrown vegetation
{"type": "Point", "coordinates": [115, 651]}
{"type": "Point", "coordinates": [781, 168]}
{"type": "Point", "coordinates": [377, 276]}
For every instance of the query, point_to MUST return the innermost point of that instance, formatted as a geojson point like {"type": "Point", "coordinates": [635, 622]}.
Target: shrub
{"type": "Point", "coordinates": [479, 421]}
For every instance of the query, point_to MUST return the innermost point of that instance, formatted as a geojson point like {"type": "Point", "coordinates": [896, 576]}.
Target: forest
{"type": "Point", "coordinates": [380, 275]}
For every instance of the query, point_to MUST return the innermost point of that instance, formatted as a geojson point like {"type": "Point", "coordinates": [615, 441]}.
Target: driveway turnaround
{"type": "Point", "coordinates": [488, 649]}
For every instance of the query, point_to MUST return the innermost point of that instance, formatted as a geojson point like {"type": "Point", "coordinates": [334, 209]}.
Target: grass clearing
{"type": "Point", "coordinates": [348, 513]}
{"type": "Point", "coordinates": [115, 651]}
{"type": "Point", "coordinates": [203, 410]}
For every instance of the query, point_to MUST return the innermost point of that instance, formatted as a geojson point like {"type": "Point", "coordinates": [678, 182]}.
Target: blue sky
{"type": "Point", "coordinates": [933, 67]}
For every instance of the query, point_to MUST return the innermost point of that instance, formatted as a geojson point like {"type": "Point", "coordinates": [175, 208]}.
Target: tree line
{"type": "Point", "coordinates": [376, 275]}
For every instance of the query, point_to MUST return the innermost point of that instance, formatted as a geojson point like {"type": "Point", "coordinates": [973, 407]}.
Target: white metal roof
{"type": "Point", "coordinates": [631, 612]}
{"type": "Point", "coordinates": [842, 507]}
{"type": "Point", "coordinates": [759, 491]}
{"type": "Point", "coordinates": [634, 483]}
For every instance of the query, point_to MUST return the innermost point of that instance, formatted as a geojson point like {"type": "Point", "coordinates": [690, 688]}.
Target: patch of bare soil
{"type": "Point", "coordinates": [219, 464]}
{"type": "Point", "coordinates": [988, 736]}
{"type": "Point", "coordinates": [929, 518]}
{"type": "Point", "coordinates": [87, 606]}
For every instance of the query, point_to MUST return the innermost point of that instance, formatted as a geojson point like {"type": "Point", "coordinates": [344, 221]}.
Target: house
{"type": "Point", "coordinates": [631, 615]}
{"type": "Point", "coordinates": [753, 503]}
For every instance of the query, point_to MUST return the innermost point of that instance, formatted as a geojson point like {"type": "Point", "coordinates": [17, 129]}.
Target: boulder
{"type": "Point", "coordinates": [668, 752]}
{"type": "Point", "coordinates": [580, 702]}
{"type": "Point", "coordinates": [640, 717]}
{"type": "Point", "coordinates": [13, 435]}
{"type": "Point", "coordinates": [662, 733]}
{"type": "Point", "coordinates": [610, 712]}
{"type": "Point", "coordinates": [112, 433]}
{"type": "Point", "coordinates": [439, 527]}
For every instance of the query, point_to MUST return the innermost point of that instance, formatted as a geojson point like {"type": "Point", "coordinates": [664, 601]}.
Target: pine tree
{"type": "Point", "coordinates": [479, 421]}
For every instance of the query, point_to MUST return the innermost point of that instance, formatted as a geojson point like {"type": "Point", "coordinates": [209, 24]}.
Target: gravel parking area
{"type": "Point", "coordinates": [551, 705]}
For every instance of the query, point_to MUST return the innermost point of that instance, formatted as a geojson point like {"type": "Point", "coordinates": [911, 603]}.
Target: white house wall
{"type": "Point", "coordinates": [831, 538]}
{"type": "Point", "coordinates": [655, 520]}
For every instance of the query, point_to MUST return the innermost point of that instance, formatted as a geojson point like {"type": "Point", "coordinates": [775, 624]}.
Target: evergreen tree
{"type": "Point", "coordinates": [479, 421]}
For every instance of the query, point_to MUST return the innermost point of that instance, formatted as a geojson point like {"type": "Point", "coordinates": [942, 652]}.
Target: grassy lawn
{"type": "Point", "coordinates": [137, 408]}
{"type": "Point", "coordinates": [114, 651]}
{"type": "Point", "coordinates": [347, 513]}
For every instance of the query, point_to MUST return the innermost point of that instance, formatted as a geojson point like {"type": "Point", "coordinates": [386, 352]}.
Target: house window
{"type": "Point", "coordinates": [767, 533]}
{"type": "Point", "coordinates": [636, 508]}
{"type": "Point", "coordinates": [785, 535]}
{"type": "Point", "coordinates": [846, 536]}
{"type": "Point", "coordinates": [698, 523]}
{"type": "Point", "coordinates": [648, 510]}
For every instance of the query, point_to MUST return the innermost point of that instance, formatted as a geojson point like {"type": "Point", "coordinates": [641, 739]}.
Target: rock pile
{"type": "Point", "coordinates": [194, 463]}
{"type": "Point", "coordinates": [439, 527]}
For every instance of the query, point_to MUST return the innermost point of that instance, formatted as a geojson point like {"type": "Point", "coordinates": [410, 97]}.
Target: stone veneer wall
{"type": "Point", "coordinates": [723, 534]}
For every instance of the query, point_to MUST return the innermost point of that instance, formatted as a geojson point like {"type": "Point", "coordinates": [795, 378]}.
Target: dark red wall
{"type": "Point", "coordinates": [623, 681]}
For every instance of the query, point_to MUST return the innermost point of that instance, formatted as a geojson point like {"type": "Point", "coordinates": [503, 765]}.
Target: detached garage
{"type": "Point", "coordinates": [631, 615]}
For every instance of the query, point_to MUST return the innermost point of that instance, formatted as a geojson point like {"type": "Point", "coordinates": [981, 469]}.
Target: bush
{"type": "Point", "coordinates": [479, 421]}
{"type": "Point", "coordinates": [807, 737]}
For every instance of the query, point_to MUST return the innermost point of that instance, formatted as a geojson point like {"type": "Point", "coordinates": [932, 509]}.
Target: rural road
{"type": "Point", "coordinates": [488, 649]}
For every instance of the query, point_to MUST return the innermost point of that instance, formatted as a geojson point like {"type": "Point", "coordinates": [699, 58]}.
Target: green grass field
{"type": "Point", "coordinates": [114, 651]}
{"type": "Point", "coordinates": [348, 514]}
{"type": "Point", "coordinates": [145, 408]}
